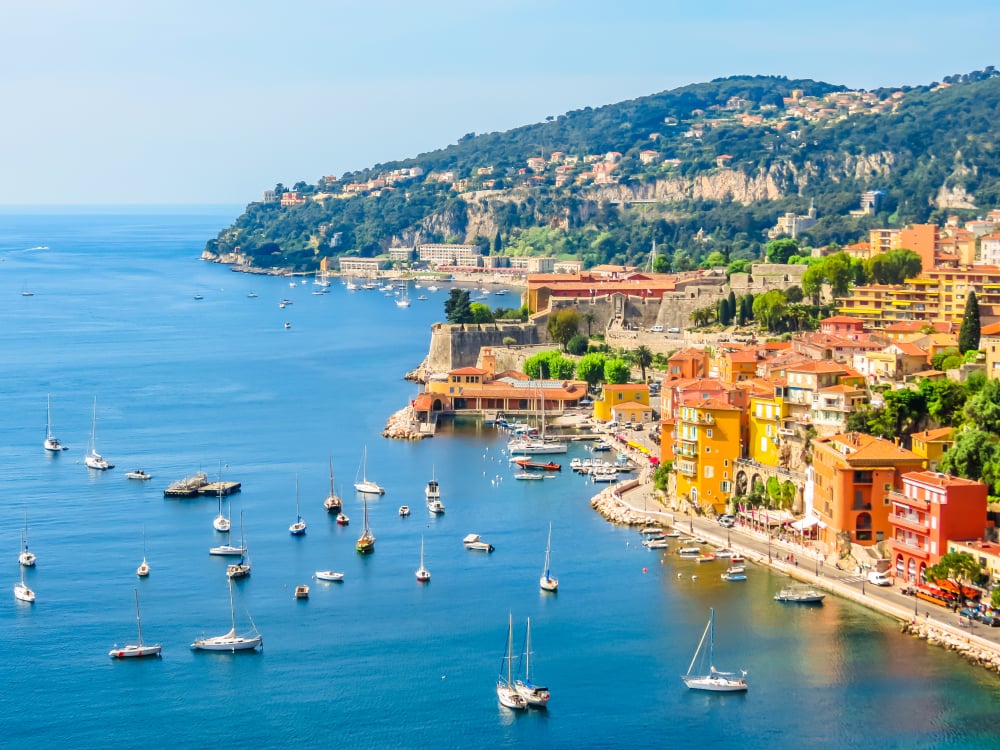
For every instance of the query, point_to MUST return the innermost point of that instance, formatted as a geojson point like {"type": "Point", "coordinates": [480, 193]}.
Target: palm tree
{"type": "Point", "coordinates": [643, 357]}
{"type": "Point", "coordinates": [590, 317]}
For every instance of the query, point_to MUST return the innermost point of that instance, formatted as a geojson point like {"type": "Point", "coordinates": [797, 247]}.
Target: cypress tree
{"type": "Point", "coordinates": [968, 336]}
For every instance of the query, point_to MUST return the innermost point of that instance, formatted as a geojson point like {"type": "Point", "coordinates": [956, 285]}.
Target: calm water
{"type": "Point", "coordinates": [378, 661]}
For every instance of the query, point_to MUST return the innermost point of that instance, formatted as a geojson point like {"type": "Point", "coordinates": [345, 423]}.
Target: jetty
{"type": "Point", "coordinates": [187, 487]}
{"type": "Point", "coordinates": [215, 489]}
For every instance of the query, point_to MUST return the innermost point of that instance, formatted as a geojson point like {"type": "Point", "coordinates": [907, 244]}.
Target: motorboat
{"type": "Point", "coordinates": [736, 569]}
{"type": "Point", "coordinates": [528, 475]}
{"type": "Point", "coordinates": [342, 519]}
{"type": "Point", "coordinates": [135, 650]}
{"type": "Point", "coordinates": [230, 641]}
{"type": "Point", "coordinates": [138, 474]}
{"type": "Point", "coordinates": [714, 680]}
{"type": "Point", "coordinates": [474, 541]}
{"type": "Point", "coordinates": [423, 575]}
{"type": "Point", "coordinates": [651, 531]}
{"type": "Point", "coordinates": [734, 575]}
{"type": "Point", "coordinates": [301, 591]}
{"type": "Point", "coordinates": [433, 490]}
{"type": "Point", "coordinates": [227, 550]}
{"type": "Point", "coordinates": [736, 559]}
{"type": "Point", "coordinates": [507, 693]}
{"type": "Point", "coordinates": [689, 551]}
{"type": "Point", "coordinates": [707, 557]}
{"type": "Point", "coordinates": [404, 511]}
{"type": "Point", "coordinates": [329, 575]}
{"type": "Point", "coordinates": [435, 506]}
{"type": "Point", "coordinates": [535, 695]}
{"type": "Point", "coordinates": [799, 595]}
{"type": "Point", "coordinates": [655, 543]}
{"type": "Point", "coordinates": [525, 463]}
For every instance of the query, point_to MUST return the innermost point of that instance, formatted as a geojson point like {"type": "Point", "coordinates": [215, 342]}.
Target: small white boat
{"type": "Point", "coordinates": [404, 511]}
{"type": "Point", "coordinates": [423, 575]}
{"type": "Point", "coordinates": [733, 576]}
{"type": "Point", "coordinates": [707, 557]}
{"type": "Point", "coordinates": [287, 324]}
{"type": "Point", "coordinates": [651, 531]}
{"type": "Point", "coordinates": [51, 443]}
{"type": "Point", "coordinates": [473, 541]}
{"type": "Point", "coordinates": [27, 558]}
{"type": "Point", "coordinates": [507, 693]}
{"type": "Point", "coordinates": [422, 298]}
{"type": "Point", "coordinates": [226, 550]}
{"type": "Point", "coordinates": [299, 527]}
{"type": "Point", "coordinates": [689, 551]}
{"type": "Point", "coordinates": [252, 295]}
{"type": "Point", "coordinates": [714, 681]}
{"type": "Point", "coordinates": [435, 506]}
{"type": "Point", "coordinates": [547, 582]}
{"type": "Point", "coordinates": [230, 641]}
{"type": "Point", "coordinates": [143, 570]}
{"type": "Point", "coordinates": [800, 595]}
{"type": "Point", "coordinates": [342, 519]}
{"type": "Point", "coordinates": [655, 543]}
{"type": "Point", "coordinates": [135, 650]}
{"type": "Point", "coordinates": [93, 459]}
{"type": "Point", "coordinates": [221, 523]}
{"type": "Point", "coordinates": [22, 592]}
{"type": "Point", "coordinates": [301, 591]}
{"type": "Point", "coordinates": [329, 575]}
{"type": "Point", "coordinates": [138, 474]}
{"type": "Point", "coordinates": [529, 475]}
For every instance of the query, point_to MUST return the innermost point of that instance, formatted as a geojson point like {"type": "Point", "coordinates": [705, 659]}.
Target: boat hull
{"type": "Point", "coordinates": [228, 643]}
{"type": "Point", "coordinates": [369, 488]}
{"type": "Point", "coordinates": [135, 652]}
{"type": "Point", "coordinates": [716, 684]}
{"type": "Point", "coordinates": [329, 575]}
{"type": "Point", "coordinates": [548, 584]}
{"type": "Point", "coordinates": [510, 698]}
{"type": "Point", "coordinates": [24, 594]}
{"type": "Point", "coordinates": [227, 551]}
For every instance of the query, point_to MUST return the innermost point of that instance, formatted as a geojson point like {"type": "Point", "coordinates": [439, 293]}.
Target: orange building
{"type": "Point", "coordinates": [688, 363]}
{"type": "Point", "coordinates": [853, 473]}
{"type": "Point", "coordinates": [932, 509]}
{"type": "Point", "coordinates": [735, 366]}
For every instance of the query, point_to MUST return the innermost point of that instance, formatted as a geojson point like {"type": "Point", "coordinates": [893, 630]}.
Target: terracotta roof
{"type": "Point", "coordinates": [468, 371]}
{"type": "Point", "coordinates": [993, 329]}
{"type": "Point", "coordinates": [860, 448]}
{"type": "Point", "coordinates": [911, 350]}
{"type": "Point", "coordinates": [942, 434]}
{"type": "Point", "coordinates": [423, 402]}
{"type": "Point", "coordinates": [714, 404]}
{"type": "Point", "coordinates": [687, 353]}
{"type": "Point", "coordinates": [632, 405]}
{"type": "Point", "coordinates": [937, 479]}
{"type": "Point", "coordinates": [777, 346]}
{"type": "Point", "coordinates": [905, 326]}
{"type": "Point", "coordinates": [816, 366]}
{"type": "Point", "coordinates": [841, 319]}
{"type": "Point", "coordinates": [840, 389]}
{"type": "Point", "coordinates": [625, 387]}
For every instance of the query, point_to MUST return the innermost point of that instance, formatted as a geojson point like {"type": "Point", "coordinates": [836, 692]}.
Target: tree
{"type": "Point", "coordinates": [577, 345]}
{"type": "Point", "coordinates": [642, 356]}
{"type": "Point", "coordinates": [975, 455]}
{"type": "Point", "coordinates": [938, 357]}
{"type": "Point", "coordinates": [779, 251]}
{"type": "Point", "coordinates": [589, 317]}
{"type": "Point", "coordinates": [458, 308]}
{"type": "Point", "coordinates": [480, 313]}
{"type": "Point", "coordinates": [591, 368]}
{"type": "Point", "coordinates": [497, 244]}
{"type": "Point", "coordinates": [968, 335]}
{"type": "Point", "coordinates": [549, 365]}
{"type": "Point", "coordinates": [958, 568]}
{"type": "Point", "coordinates": [983, 409]}
{"type": "Point", "coordinates": [723, 313]}
{"type": "Point", "coordinates": [661, 264]}
{"type": "Point", "coordinates": [563, 325]}
{"type": "Point", "coordinates": [893, 267]}
{"type": "Point", "coordinates": [738, 266]}
{"type": "Point", "coordinates": [616, 371]}
{"type": "Point", "coordinates": [944, 399]}
{"type": "Point", "coordinates": [769, 310]}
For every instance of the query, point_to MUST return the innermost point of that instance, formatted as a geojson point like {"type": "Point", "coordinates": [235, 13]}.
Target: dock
{"type": "Point", "coordinates": [187, 487]}
{"type": "Point", "coordinates": [215, 489]}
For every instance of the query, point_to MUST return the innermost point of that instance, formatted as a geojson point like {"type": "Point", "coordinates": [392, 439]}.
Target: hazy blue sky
{"type": "Point", "coordinates": [176, 101]}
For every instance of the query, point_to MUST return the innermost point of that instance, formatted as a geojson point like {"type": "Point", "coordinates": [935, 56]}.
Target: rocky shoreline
{"type": "Point", "coordinates": [978, 655]}
{"type": "Point", "coordinates": [403, 426]}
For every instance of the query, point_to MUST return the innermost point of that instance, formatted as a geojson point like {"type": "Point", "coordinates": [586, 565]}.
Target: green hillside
{"type": "Point", "coordinates": [702, 168]}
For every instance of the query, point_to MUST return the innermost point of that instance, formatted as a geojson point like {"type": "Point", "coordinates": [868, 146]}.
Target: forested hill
{"type": "Point", "coordinates": [702, 168]}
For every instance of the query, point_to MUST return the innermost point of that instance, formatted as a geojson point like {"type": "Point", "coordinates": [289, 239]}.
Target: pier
{"type": "Point", "coordinates": [215, 489]}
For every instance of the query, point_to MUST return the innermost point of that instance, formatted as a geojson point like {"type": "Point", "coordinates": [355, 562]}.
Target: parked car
{"type": "Point", "coordinates": [656, 329]}
{"type": "Point", "coordinates": [727, 520]}
{"type": "Point", "coordinates": [878, 578]}
{"type": "Point", "coordinates": [673, 330]}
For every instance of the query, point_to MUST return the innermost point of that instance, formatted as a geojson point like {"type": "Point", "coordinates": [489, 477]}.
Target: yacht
{"type": "Point", "coordinates": [474, 541]}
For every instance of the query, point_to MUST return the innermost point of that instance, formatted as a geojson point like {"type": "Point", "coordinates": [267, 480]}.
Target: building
{"type": "Point", "coordinates": [476, 390]}
{"type": "Point", "coordinates": [931, 445]}
{"type": "Point", "coordinates": [737, 366]}
{"type": "Point", "coordinates": [989, 343]}
{"type": "Point", "coordinates": [833, 405]}
{"type": "Point", "coordinates": [791, 225]}
{"type": "Point", "coordinates": [842, 325]}
{"type": "Point", "coordinates": [767, 415]}
{"type": "Point", "coordinates": [853, 474]}
{"type": "Point", "coordinates": [687, 364]}
{"type": "Point", "coordinates": [706, 447]}
{"type": "Point", "coordinates": [928, 512]}
{"type": "Point", "coordinates": [987, 553]}
{"type": "Point", "coordinates": [614, 395]}
{"type": "Point", "coordinates": [450, 255]}
{"type": "Point", "coordinates": [360, 266]}
{"type": "Point", "coordinates": [292, 198]}
{"type": "Point", "coordinates": [401, 254]}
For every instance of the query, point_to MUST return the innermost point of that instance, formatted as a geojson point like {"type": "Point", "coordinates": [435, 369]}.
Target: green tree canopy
{"type": "Point", "coordinates": [642, 357]}
{"type": "Point", "coordinates": [458, 308]}
{"type": "Point", "coordinates": [550, 365]}
{"type": "Point", "coordinates": [983, 409]}
{"type": "Point", "coordinates": [780, 250]}
{"type": "Point", "coordinates": [893, 266]}
{"type": "Point", "coordinates": [480, 313]}
{"type": "Point", "coordinates": [616, 371]}
{"type": "Point", "coordinates": [968, 335]}
{"type": "Point", "coordinates": [975, 455]}
{"type": "Point", "coordinates": [944, 398]}
{"type": "Point", "coordinates": [769, 310]}
{"type": "Point", "coordinates": [959, 568]}
{"type": "Point", "coordinates": [591, 368]}
{"type": "Point", "coordinates": [563, 325]}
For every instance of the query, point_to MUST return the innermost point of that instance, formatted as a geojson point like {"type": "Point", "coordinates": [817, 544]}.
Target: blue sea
{"type": "Point", "coordinates": [219, 384]}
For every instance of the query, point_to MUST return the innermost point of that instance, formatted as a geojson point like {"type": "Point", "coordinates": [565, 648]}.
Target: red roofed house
{"type": "Point", "coordinates": [842, 325]}
{"type": "Point", "coordinates": [688, 363]}
{"type": "Point", "coordinates": [931, 509]}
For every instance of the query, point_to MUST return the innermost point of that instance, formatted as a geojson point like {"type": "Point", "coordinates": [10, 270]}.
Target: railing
{"type": "Point", "coordinates": [912, 522]}
{"type": "Point", "coordinates": [688, 468]}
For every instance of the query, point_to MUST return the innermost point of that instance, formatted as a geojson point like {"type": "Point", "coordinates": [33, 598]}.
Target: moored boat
{"type": "Point", "coordinates": [474, 541]}
{"type": "Point", "coordinates": [138, 474]}
{"type": "Point", "coordinates": [301, 591]}
{"type": "Point", "coordinates": [230, 641]}
{"type": "Point", "coordinates": [800, 594]}
{"type": "Point", "coordinates": [404, 511]}
{"type": "Point", "coordinates": [329, 575]}
{"type": "Point", "coordinates": [714, 681]}
{"type": "Point", "coordinates": [507, 693]}
{"type": "Point", "coordinates": [136, 650]}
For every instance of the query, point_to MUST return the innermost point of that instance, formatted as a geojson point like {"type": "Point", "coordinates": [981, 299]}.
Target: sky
{"type": "Point", "coordinates": [214, 101]}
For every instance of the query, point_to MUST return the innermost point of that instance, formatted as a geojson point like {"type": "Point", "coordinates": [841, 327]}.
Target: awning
{"type": "Point", "coordinates": [807, 523]}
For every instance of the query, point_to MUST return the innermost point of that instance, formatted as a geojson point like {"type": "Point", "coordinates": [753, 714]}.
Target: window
{"type": "Point", "coordinates": [726, 486]}
{"type": "Point", "coordinates": [708, 433]}
{"type": "Point", "coordinates": [709, 472]}
{"type": "Point", "coordinates": [763, 444]}
{"type": "Point", "coordinates": [708, 449]}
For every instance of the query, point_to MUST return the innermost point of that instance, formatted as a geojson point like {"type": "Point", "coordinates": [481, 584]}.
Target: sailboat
{"type": "Point", "coordinates": [526, 445]}
{"type": "Point", "coordinates": [715, 681]}
{"type": "Point", "coordinates": [547, 582]}
{"type": "Point", "coordinates": [93, 459]}
{"type": "Point", "coordinates": [506, 692]}
{"type": "Point", "coordinates": [230, 641]}
{"type": "Point", "coordinates": [423, 575]}
{"type": "Point", "coordinates": [27, 557]}
{"type": "Point", "coordinates": [299, 527]}
{"type": "Point", "coordinates": [351, 286]}
{"type": "Point", "coordinates": [22, 592]}
{"type": "Point", "coordinates": [535, 695]}
{"type": "Point", "coordinates": [51, 442]}
{"type": "Point", "coordinates": [366, 542]}
{"type": "Point", "coordinates": [364, 485]}
{"type": "Point", "coordinates": [433, 495]}
{"type": "Point", "coordinates": [404, 299]}
{"type": "Point", "coordinates": [221, 523]}
{"type": "Point", "coordinates": [333, 503]}
{"type": "Point", "coordinates": [143, 570]}
{"type": "Point", "coordinates": [240, 569]}
{"type": "Point", "coordinates": [140, 649]}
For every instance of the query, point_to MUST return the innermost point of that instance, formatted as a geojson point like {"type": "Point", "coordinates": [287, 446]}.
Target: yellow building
{"type": "Point", "coordinates": [707, 445]}
{"type": "Point", "coordinates": [931, 445]}
{"type": "Point", "coordinates": [613, 396]}
{"type": "Point", "coordinates": [768, 413]}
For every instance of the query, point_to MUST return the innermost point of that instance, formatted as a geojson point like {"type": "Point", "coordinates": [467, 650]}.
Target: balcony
{"type": "Point", "coordinates": [899, 500]}
{"type": "Point", "coordinates": [910, 522]}
{"type": "Point", "coordinates": [687, 468]}
{"type": "Point", "coordinates": [913, 547]}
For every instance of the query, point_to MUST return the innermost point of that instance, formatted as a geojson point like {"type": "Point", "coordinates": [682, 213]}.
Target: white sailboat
{"type": "Point", "coordinates": [240, 569]}
{"type": "Point", "coordinates": [364, 485]}
{"type": "Point", "coordinates": [230, 641]}
{"type": "Point", "coordinates": [221, 523]}
{"type": "Point", "coordinates": [423, 575]}
{"type": "Point", "coordinates": [22, 592]}
{"type": "Point", "coordinates": [404, 299]}
{"type": "Point", "coordinates": [333, 503]}
{"type": "Point", "coordinates": [507, 694]}
{"type": "Point", "coordinates": [93, 459]}
{"type": "Point", "coordinates": [526, 445]}
{"type": "Point", "coordinates": [143, 570]}
{"type": "Point", "coordinates": [27, 558]}
{"type": "Point", "coordinates": [547, 582]}
{"type": "Point", "coordinates": [51, 442]}
{"type": "Point", "coordinates": [299, 527]}
{"type": "Point", "coordinates": [535, 695]}
{"type": "Point", "coordinates": [137, 650]}
{"type": "Point", "coordinates": [433, 494]}
{"type": "Point", "coordinates": [714, 681]}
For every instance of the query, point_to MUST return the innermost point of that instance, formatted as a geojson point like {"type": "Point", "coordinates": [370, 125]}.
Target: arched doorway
{"type": "Point", "coordinates": [863, 527]}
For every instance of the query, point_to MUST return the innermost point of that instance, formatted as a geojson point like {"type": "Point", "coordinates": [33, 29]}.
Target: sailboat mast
{"type": "Point", "coordinates": [711, 638]}
{"type": "Point", "coordinates": [232, 607]}
{"type": "Point", "coordinates": [138, 620]}
{"type": "Point", "coordinates": [527, 652]}
{"type": "Point", "coordinates": [510, 645]}
{"type": "Point", "coordinates": [701, 643]}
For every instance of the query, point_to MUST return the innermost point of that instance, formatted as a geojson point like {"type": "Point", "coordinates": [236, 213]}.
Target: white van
{"type": "Point", "coordinates": [656, 329]}
{"type": "Point", "coordinates": [878, 578]}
